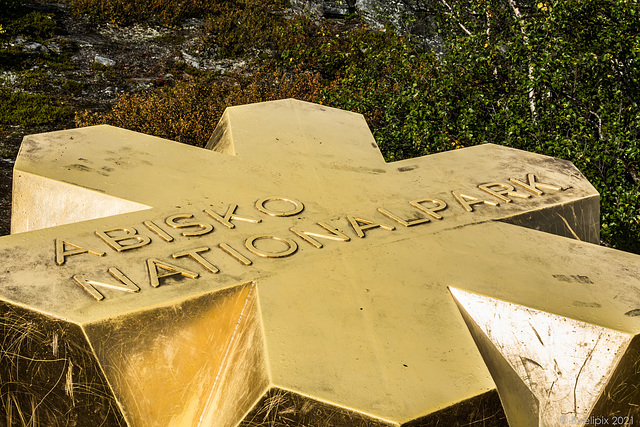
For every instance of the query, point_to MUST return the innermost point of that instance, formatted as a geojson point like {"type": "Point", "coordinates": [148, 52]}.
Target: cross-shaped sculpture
{"type": "Point", "coordinates": [289, 273]}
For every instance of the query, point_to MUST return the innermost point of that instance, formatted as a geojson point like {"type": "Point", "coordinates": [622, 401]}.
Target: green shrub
{"type": "Point", "coordinates": [166, 12]}
{"type": "Point", "coordinates": [189, 111]}
{"type": "Point", "coordinates": [28, 109]}
{"type": "Point", "coordinates": [35, 25]}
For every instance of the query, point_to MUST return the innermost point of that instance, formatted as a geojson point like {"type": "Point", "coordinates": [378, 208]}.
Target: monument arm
{"type": "Point", "coordinates": [561, 338]}
{"type": "Point", "coordinates": [290, 261]}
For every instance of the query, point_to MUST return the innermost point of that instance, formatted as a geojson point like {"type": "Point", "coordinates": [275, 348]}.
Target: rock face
{"type": "Point", "coordinates": [403, 15]}
{"type": "Point", "coordinates": [101, 62]}
{"type": "Point", "coordinates": [375, 12]}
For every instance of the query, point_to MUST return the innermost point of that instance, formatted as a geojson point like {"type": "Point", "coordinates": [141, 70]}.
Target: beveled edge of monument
{"type": "Point", "coordinates": [265, 129]}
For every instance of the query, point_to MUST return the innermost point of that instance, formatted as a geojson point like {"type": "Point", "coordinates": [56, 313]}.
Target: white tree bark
{"type": "Point", "coordinates": [531, 91]}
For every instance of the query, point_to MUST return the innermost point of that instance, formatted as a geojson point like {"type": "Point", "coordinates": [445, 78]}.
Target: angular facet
{"type": "Point", "coordinates": [565, 364]}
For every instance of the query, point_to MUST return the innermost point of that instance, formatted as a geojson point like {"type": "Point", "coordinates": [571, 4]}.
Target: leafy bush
{"type": "Point", "coordinates": [189, 111]}
{"type": "Point", "coordinates": [166, 12]}
{"type": "Point", "coordinates": [29, 109]}
{"type": "Point", "coordinates": [33, 24]}
{"type": "Point", "coordinates": [557, 78]}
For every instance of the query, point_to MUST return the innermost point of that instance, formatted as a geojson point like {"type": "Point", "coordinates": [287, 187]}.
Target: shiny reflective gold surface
{"type": "Point", "coordinates": [289, 267]}
{"type": "Point", "coordinates": [561, 365]}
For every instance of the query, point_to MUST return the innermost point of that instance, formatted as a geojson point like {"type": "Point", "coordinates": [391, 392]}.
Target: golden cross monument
{"type": "Point", "coordinates": [287, 275]}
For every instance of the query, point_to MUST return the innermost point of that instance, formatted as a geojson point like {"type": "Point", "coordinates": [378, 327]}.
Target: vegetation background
{"type": "Point", "coordinates": [559, 78]}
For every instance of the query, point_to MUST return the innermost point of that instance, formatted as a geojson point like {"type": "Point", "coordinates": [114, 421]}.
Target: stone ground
{"type": "Point", "coordinates": [105, 61]}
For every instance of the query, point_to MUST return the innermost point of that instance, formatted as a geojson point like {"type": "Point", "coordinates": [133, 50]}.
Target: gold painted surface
{"type": "Point", "coordinates": [173, 370]}
{"type": "Point", "coordinates": [244, 376]}
{"type": "Point", "coordinates": [39, 202]}
{"type": "Point", "coordinates": [516, 398]}
{"type": "Point", "coordinates": [577, 220]}
{"type": "Point", "coordinates": [484, 409]}
{"type": "Point", "coordinates": [280, 407]}
{"type": "Point", "coordinates": [564, 363]}
{"type": "Point", "coordinates": [364, 323]}
{"type": "Point", "coordinates": [619, 399]}
{"type": "Point", "coordinates": [49, 375]}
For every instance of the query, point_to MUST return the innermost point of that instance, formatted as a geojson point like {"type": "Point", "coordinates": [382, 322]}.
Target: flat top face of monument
{"type": "Point", "coordinates": [173, 179]}
{"type": "Point", "coordinates": [300, 201]}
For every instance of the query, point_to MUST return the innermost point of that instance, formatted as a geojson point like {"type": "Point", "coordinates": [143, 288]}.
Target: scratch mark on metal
{"type": "Point", "coordinates": [68, 385]}
{"type": "Point", "coordinates": [556, 368]}
{"type": "Point", "coordinates": [575, 386]}
{"type": "Point", "coordinates": [33, 412]}
{"type": "Point", "coordinates": [526, 359]}
{"type": "Point", "coordinates": [537, 335]}
{"type": "Point", "coordinates": [54, 345]}
{"type": "Point", "coordinates": [569, 227]}
{"type": "Point", "coordinates": [526, 370]}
